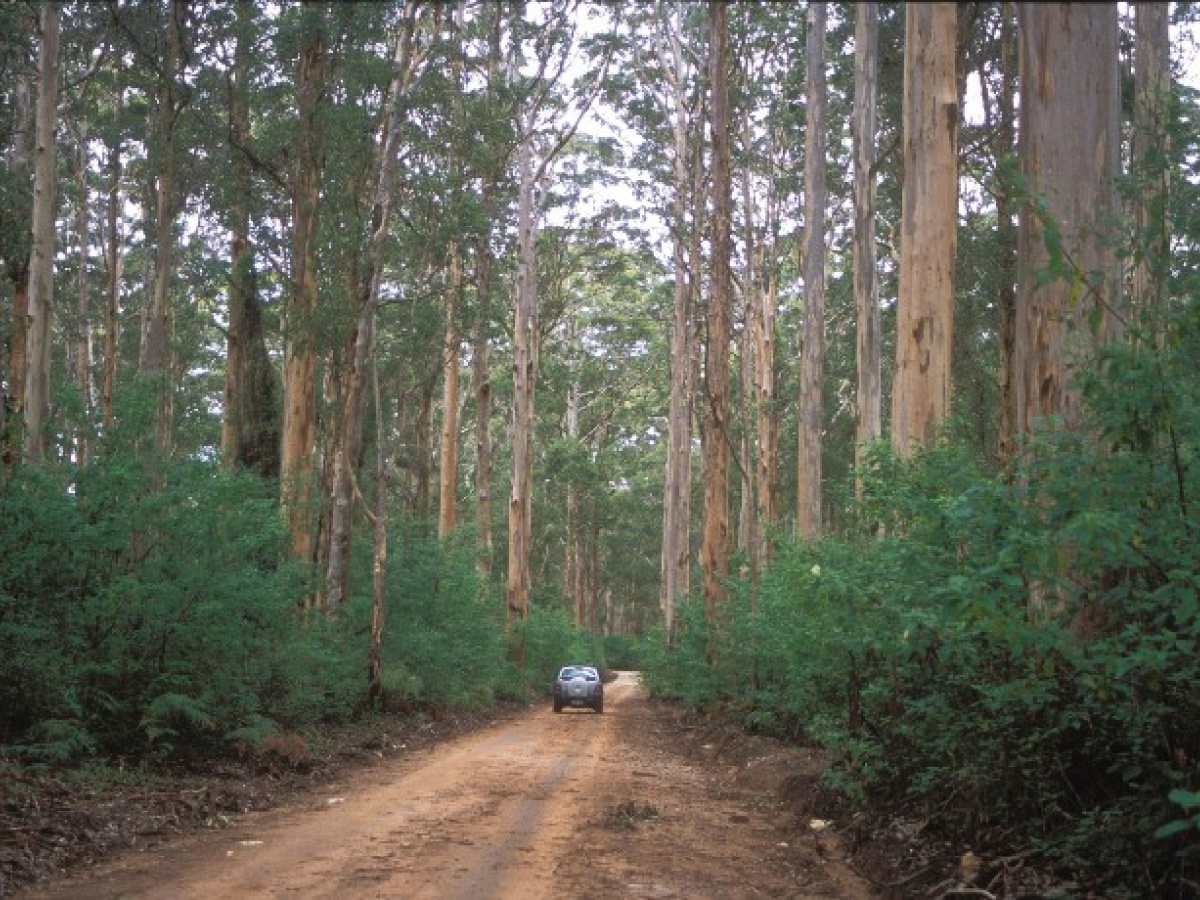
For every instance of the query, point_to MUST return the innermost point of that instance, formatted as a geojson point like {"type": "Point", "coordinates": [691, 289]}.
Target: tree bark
{"type": "Point", "coordinates": [12, 404]}
{"type": "Point", "coordinates": [115, 257]}
{"type": "Point", "coordinates": [1069, 157]}
{"type": "Point", "coordinates": [451, 363]}
{"type": "Point", "coordinates": [350, 437]}
{"type": "Point", "coordinates": [929, 218]}
{"type": "Point", "coordinates": [481, 386]}
{"type": "Point", "coordinates": [869, 425]}
{"type": "Point", "coordinates": [1007, 295]}
{"type": "Point", "coordinates": [300, 350]}
{"type": "Point", "coordinates": [155, 358]}
{"type": "Point", "coordinates": [41, 276]}
{"type": "Point", "coordinates": [83, 352]}
{"type": "Point", "coordinates": [1151, 117]}
{"type": "Point", "coordinates": [812, 357]}
{"type": "Point", "coordinates": [714, 545]}
{"type": "Point", "coordinates": [526, 333]}
{"type": "Point", "coordinates": [240, 254]}
{"type": "Point", "coordinates": [676, 557]}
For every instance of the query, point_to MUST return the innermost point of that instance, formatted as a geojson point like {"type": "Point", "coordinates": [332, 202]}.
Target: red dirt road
{"type": "Point", "coordinates": [544, 806]}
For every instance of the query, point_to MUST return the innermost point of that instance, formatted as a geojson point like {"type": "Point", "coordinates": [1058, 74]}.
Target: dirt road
{"type": "Point", "coordinates": [545, 806]}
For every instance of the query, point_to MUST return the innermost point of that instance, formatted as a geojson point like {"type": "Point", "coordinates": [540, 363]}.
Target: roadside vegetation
{"type": "Point", "coordinates": [1005, 661]}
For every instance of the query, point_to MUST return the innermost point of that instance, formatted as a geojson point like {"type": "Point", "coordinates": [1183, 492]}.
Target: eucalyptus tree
{"type": "Point", "coordinates": [298, 445]}
{"type": "Point", "coordinates": [1148, 153]}
{"type": "Point", "coordinates": [1069, 146]}
{"type": "Point", "coordinates": [544, 128]}
{"type": "Point", "coordinates": [866, 277]}
{"type": "Point", "coordinates": [408, 59]}
{"type": "Point", "coordinates": [20, 26]}
{"type": "Point", "coordinates": [925, 313]}
{"type": "Point", "coordinates": [812, 363]}
{"type": "Point", "coordinates": [715, 544]}
{"type": "Point", "coordinates": [41, 278]}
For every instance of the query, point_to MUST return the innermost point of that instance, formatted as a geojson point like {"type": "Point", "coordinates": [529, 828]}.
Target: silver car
{"type": "Point", "coordinates": [579, 686]}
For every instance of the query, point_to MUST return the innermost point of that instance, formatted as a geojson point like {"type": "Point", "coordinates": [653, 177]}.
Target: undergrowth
{"type": "Point", "coordinates": [1009, 657]}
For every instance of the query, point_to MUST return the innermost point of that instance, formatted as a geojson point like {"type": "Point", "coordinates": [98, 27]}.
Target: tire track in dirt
{"type": "Point", "coordinates": [527, 810]}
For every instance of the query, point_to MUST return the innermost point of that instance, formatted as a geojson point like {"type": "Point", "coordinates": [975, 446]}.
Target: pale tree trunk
{"type": "Point", "coordinates": [448, 466]}
{"type": "Point", "coordinates": [481, 386]}
{"type": "Point", "coordinates": [1151, 117]}
{"type": "Point", "coordinates": [83, 352]}
{"type": "Point", "coordinates": [812, 354]}
{"type": "Point", "coordinates": [869, 426]}
{"type": "Point", "coordinates": [1006, 297]}
{"type": "Point", "coordinates": [525, 368]}
{"type": "Point", "coordinates": [115, 265]}
{"type": "Point", "coordinates": [350, 437]}
{"type": "Point", "coordinates": [41, 276]}
{"type": "Point", "coordinates": [928, 221]}
{"type": "Point", "coordinates": [481, 379]}
{"type": "Point", "coordinates": [768, 419]}
{"type": "Point", "coordinates": [1069, 157]}
{"type": "Point", "coordinates": [678, 474]}
{"type": "Point", "coordinates": [155, 359]}
{"type": "Point", "coordinates": [12, 414]}
{"type": "Point", "coordinates": [451, 361]}
{"type": "Point", "coordinates": [379, 524]}
{"type": "Point", "coordinates": [572, 537]}
{"type": "Point", "coordinates": [240, 254]}
{"type": "Point", "coordinates": [714, 543]}
{"type": "Point", "coordinates": [300, 351]}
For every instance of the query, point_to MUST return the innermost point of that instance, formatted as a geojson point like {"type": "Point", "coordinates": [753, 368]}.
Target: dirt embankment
{"type": "Point", "coordinates": [632, 803]}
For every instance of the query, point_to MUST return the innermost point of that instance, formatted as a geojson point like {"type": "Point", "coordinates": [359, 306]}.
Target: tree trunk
{"type": "Point", "coordinates": [240, 254]}
{"type": "Point", "coordinates": [20, 211]}
{"type": "Point", "coordinates": [812, 356]}
{"type": "Point", "coordinates": [155, 358]}
{"type": "Point", "coordinates": [714, 545]}
{"type": "Point", "coordinates": [1151, 117]}
{"type": "Point", "coordinates": [481, 385]}
{"type": "Point", "coordinates": [1069, 156]}
{"type": "Point", "coordinates": [350, 437]}
{"type": "Point", "coordinates": [115, 256]}
{"type": "Point", "coordinates": [300, 350]}
{"type": "Point", "coordinates": [869, 426]}
{"type": "Point", "coordinates": [525, 367]}
{"type": "Point", "coordinates": [41, 276]}
{"type": "Point", "coordinates": [448, 466]}
{"type": "Point", "coordinates": [928, 222]}
{"type": "Point", "coordinates": [1007, 295]}
{"type": "Point", "coordinates": [678, 475]}
{"type": "Point", "coordinates": [83, 352]}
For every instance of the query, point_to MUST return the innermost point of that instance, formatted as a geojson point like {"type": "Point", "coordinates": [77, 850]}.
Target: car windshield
{"type": "Point", "coordinates": [577, 673]}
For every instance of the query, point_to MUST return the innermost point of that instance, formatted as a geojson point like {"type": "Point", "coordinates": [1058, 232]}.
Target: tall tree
{"type": "Point", "coordinates": [812, 362]}
{"type": "Point", "coordinates": [1066, 278]}
{"type": "Point", "coordinates": [300, 336]}
{"type": "Point", "coordinates": [41, 278]}
{"type": "Point", "coordinates": [155, 360]}
{"type": "Point", "coordinates": [1151, 111]}
{"type": "Point", "coordinates": [676, 545]}
{"type": "Point", "coordinates": [532, 167]}
{"type": "Point", "coordinates": [929, 217]}
{"type": "Point", "coordinates": [20, 212]}
{"type": "Point", "coordinates": [407, 58]}
{"type": "Point", "coordinates": [869, 423]}
{"type": "Point", "coordinates": [715, 537]}
{"type": "Point", "coordinates": [247, 435]}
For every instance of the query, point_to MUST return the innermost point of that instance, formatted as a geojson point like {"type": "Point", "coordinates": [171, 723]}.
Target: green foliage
{"type": "Point", "coordinates": [1001, 655]}
{"type": "Point", "coordinates": [444, 643]}
{"type": "Point", "coordinates": [136, 617]}
{"type": "Point", "coordinates": [551, 640]}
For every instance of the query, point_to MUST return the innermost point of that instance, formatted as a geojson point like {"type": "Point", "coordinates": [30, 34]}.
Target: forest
{"type": "Point", "coordinates": [833, 364]}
